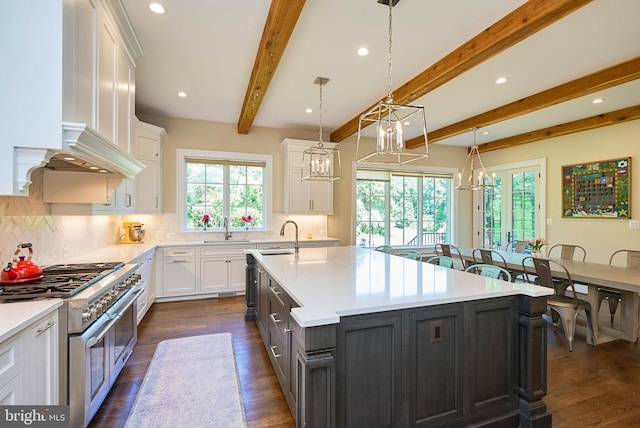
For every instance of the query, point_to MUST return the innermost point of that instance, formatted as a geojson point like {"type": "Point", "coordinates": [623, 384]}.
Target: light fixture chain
{"type": "Point", "coordinates": [390, 94]}
{"type": "Point", "coordinates": [320, 132]}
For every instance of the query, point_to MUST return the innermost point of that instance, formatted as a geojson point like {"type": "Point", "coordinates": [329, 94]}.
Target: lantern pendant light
{"type": "Point", "coordinates": [320, 162]}
{"type": "Point", "coordinates": [391, 121]}
{"type": "Point", "coordinates": [466, 180]}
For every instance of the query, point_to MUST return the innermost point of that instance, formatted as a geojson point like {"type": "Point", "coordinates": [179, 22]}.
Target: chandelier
{"type": "Point", "coordinates": [466, 180]}
{"type": "Point", "coordinates": [320, 162]}
{"type": "Point", "coordinates": [391, 121]}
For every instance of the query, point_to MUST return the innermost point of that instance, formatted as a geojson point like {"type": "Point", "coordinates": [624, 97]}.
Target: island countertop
{"type": "Point", "coordinates": [332, 282]}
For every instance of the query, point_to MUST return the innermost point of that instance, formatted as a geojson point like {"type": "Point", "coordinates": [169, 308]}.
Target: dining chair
{"type": "Point", "coordinates": [492, 257]}
{"type": "Point", "coordinates": [567, 251]}
{"type": "Point", "coordinates": [411, 254]}
{"type": "Point", "coordinates": [632, 260]}
{"type": "Point", "coordinates": [385, 249]}
{"type": "Point", "coordinates": [566, 306]}
{"type": "Point", "coordinates": [516, 246]}
{"type": "Point", "coordinates": [449, 250]}
{"type": "Point", "coordinates": [490, 271]}
{"type": "Point", "coordinates": [446, 261]}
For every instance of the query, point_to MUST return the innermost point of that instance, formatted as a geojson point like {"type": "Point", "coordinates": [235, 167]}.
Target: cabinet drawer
{"type": "Point", "coordinates": [10, 357]}
{"type": "Point", "coordinates": [224, 250]}
{"type": "Point", "coordinates": [278, 355]}
{"type": "Point", "coordinates": [179, 252]}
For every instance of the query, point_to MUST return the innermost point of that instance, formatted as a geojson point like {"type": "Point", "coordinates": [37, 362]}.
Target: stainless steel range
{"type": "Point", "coordinates": [98, 328]}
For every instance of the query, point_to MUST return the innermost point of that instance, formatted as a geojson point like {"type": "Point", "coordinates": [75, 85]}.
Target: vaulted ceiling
{"type": "Point", "coordinates": [253, 63]}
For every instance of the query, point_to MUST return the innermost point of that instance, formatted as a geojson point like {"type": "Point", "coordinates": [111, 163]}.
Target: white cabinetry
{"type": "Point", "coordinates": [222, 269]}
{"type": "Point", "coordinates": [178, 272]}
{"type": "Point", "coordinates": [303, 197]}
{"type": "Point", "coordinates": [146, 284]}
{"type": "Point", "coordinates": [149, 180]}
{"type": "Point", "coordinates": [29, 364]}
{"type": "Point", "coordinates": [77, 81]}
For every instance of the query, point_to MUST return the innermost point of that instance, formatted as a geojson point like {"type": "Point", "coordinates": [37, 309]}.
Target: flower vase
{"type": "Point", "coordinates": [537, 254]}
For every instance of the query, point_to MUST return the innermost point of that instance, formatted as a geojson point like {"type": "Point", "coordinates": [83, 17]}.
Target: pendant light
{"type": "Point", "coordinates": [466, 180]}
{"type": "Point", "coordinates": [391, 121]}
{"type": "Point", "coordinates": [320, 162]}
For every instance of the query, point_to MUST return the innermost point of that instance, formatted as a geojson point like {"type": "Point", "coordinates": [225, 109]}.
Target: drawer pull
{"type": "Point", "coordinates": [179, 261]}
{"type": "Point", "coordinates": [287, 330]}
{"type": "Point", "coordinates": [274, 319]}
{"type": "Point", "coordinates": [277, 293]}
{"type": "Point", "coordinates": [273, 351]}
{"type": "Point", "coordinates": [46, 327]}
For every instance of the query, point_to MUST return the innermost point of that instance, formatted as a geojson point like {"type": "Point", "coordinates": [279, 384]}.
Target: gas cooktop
{"type": "Point", "coordinates": [61, 281]}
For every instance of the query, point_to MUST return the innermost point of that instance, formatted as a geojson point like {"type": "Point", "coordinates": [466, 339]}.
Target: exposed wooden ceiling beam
{"type": "Point", "coordinates": [607, 78]}
{"type": "Point", "coordinates": [281, 20]}
{"type": "Point", "coordinates": [523, 22]}
{"type": "Point", "coordinates": [605, 119]}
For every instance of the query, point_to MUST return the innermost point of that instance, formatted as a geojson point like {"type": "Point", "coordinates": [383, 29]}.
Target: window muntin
{"type": "Point", "coordinates": [390, 206]}
{"type": "Point", "coordinates": [223, 184]}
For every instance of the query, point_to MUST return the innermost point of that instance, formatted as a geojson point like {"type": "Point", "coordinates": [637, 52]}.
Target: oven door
{"type": "Point", "coordinates": [97, 356]}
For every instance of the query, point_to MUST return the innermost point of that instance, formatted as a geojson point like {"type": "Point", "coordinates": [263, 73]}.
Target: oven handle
{"type": "Point", "coordinates": [113, 318]}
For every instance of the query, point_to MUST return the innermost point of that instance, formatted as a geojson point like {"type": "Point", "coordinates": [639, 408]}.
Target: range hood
{"type": "Point", "coordinates": [82, 149]}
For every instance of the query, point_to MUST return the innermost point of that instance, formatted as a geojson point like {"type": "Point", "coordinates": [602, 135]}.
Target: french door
{"type": "Point", "coordinates": [514, 208]}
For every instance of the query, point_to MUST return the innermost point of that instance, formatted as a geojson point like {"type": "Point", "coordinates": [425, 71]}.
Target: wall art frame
{"type": "Point", "coordinates": [599, 189]}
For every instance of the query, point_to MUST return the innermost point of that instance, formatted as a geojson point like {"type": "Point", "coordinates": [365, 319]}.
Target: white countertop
{"type": "Point", "coordinates": [19, 315]}
{"type": "Point", "coordinates": [338, 281]}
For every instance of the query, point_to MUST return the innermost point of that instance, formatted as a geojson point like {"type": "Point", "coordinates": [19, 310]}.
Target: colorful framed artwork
{"type": "Point", "coordinates": [597, 189]}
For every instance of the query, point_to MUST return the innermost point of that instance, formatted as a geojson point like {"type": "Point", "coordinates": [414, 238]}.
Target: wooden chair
{"type": "Point", "coordinates": [567, 251]}
{"type": "Point", "coordinates": [613, 297]}
{"type": "Point", "coordinates": [449, 250]}
{"type": "Point", "coordinates": [490, 271]}
{"type": "Point", "coordinates": [516, 246]}
{"type": "Point", "coordinates": [566, 306]}
{"type": "Point", "coordinates": [385, 249]}
{"type": "Point", "coordinates": [445, 261]}
{"type": "Point", "coordinates": [411, 254]}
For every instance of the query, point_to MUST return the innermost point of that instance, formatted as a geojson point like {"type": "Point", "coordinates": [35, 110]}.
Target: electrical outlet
{"type": "Point", "coordinates": [634, 224]}
{"type": "Point", "coordinates": [549, 221]}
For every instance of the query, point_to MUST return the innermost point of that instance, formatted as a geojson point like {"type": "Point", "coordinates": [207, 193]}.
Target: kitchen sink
{"type": "Point", "coordinates": [276, 252]}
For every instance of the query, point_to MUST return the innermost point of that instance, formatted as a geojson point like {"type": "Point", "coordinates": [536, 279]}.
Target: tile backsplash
{"type": "Point", "coordinates": [56, 238]}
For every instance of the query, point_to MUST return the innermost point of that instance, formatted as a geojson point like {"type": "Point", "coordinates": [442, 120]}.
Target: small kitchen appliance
{"type": "Point", "coordinates": [21, 269]}
{"type": "Point", "coordinates": [133, 233]}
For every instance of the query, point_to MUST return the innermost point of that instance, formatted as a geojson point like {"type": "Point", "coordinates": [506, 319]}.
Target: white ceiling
{"type": "Point", "coordinates": [207, 48]}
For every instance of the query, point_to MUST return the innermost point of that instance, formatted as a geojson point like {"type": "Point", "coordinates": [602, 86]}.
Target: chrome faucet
{"type": "Point", "coordinates": [227, 234]}
{"type": "Point", "coordinates": [297, 245]}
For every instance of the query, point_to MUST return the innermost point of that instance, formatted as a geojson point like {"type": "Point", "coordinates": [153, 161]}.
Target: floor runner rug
{"type": "Point", "coordinates": [191, 382]}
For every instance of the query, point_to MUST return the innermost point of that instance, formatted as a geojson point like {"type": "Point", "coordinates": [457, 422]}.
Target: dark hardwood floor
{"type": "Point", "coordinates": [594, 387]}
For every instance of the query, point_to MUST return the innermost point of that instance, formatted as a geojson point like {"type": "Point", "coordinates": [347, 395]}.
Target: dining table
{"type": "Point", "coordinates": [624, 280]}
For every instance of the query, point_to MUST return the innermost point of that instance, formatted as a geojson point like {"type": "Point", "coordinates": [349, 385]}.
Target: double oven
{"type": "Point", "coordinates": [98, 327]}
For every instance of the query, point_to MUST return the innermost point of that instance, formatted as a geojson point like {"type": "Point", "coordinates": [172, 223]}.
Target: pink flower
{"type": "Point", "coordinates": [247, 218]}
{"type": "Point", "coordinates": [535, 243]}
{"type": "Point", "coordinates": [206, 219]}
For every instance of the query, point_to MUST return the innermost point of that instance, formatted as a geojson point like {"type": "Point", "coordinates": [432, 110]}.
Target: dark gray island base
{"type": "Point", "coordinates": [479, 363]}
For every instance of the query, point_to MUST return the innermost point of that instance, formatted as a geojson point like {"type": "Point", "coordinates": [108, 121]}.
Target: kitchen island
{"type": "Point", "coordinates": [363, 338]}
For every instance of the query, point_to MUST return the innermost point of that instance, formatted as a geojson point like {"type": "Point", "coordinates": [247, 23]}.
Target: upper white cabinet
{"type": "Point", "coordinates": [71, 84]}
{"type": "Point", "coordinates": [148, 182]}
{"type": "Point", "coordinates": [303, 197]}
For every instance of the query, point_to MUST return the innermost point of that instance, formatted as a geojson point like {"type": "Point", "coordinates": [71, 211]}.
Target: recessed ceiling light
{"type": "Point", "coordinates": [485, 132]}
{"type": "Point", "coordinates": [598, 100]}
{"type": "Point", "coordinates": [93, 167]}
{"type": "Point", "coordinates": [157, 8]}
{"type": "Point", "coordinates": [363, 51]}
{"type": "Point", "coordinates": [308, 110]}
{"type": "Point", "coordinates": [68, 158]}
{"type": "Point", "coordinates": [407, 123]}
{"type": "Point", "coordinates": [501, 80]}
{"type": "Point", "coordinates": [182, 94]}
{"type": "Point", "coordinates": [103, 170]}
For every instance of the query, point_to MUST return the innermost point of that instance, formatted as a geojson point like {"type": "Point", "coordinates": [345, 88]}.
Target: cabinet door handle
{"type": "Point", "coordinates": [156, 202]}
{"type": "Point", "coordinates": [128, 199]}
{"type": "Point", "coordinates": [287, 330]}
{"type": "Point", "coordinates": [273, 351]}
{"type": "Point", "coordinates": [274, 319]}
{"type": "Point", "coordinates": [46, 327]}
{"type": "Point", "coordinates": [179, 261]}
{"type": "Point", "coordinates": [260, 270]}
{"type": "Point", "coordinates": [277, 293]}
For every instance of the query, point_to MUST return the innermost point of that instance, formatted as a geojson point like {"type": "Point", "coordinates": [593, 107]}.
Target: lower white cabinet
{"type": "Point", "coordinates": [146, 284]}
{"type": "Point", "coordinates": [222, 270]}
{"type": "Point", "coordinates": [29, 364]}
{"type": "Point", "coordinates": [178, 272]}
